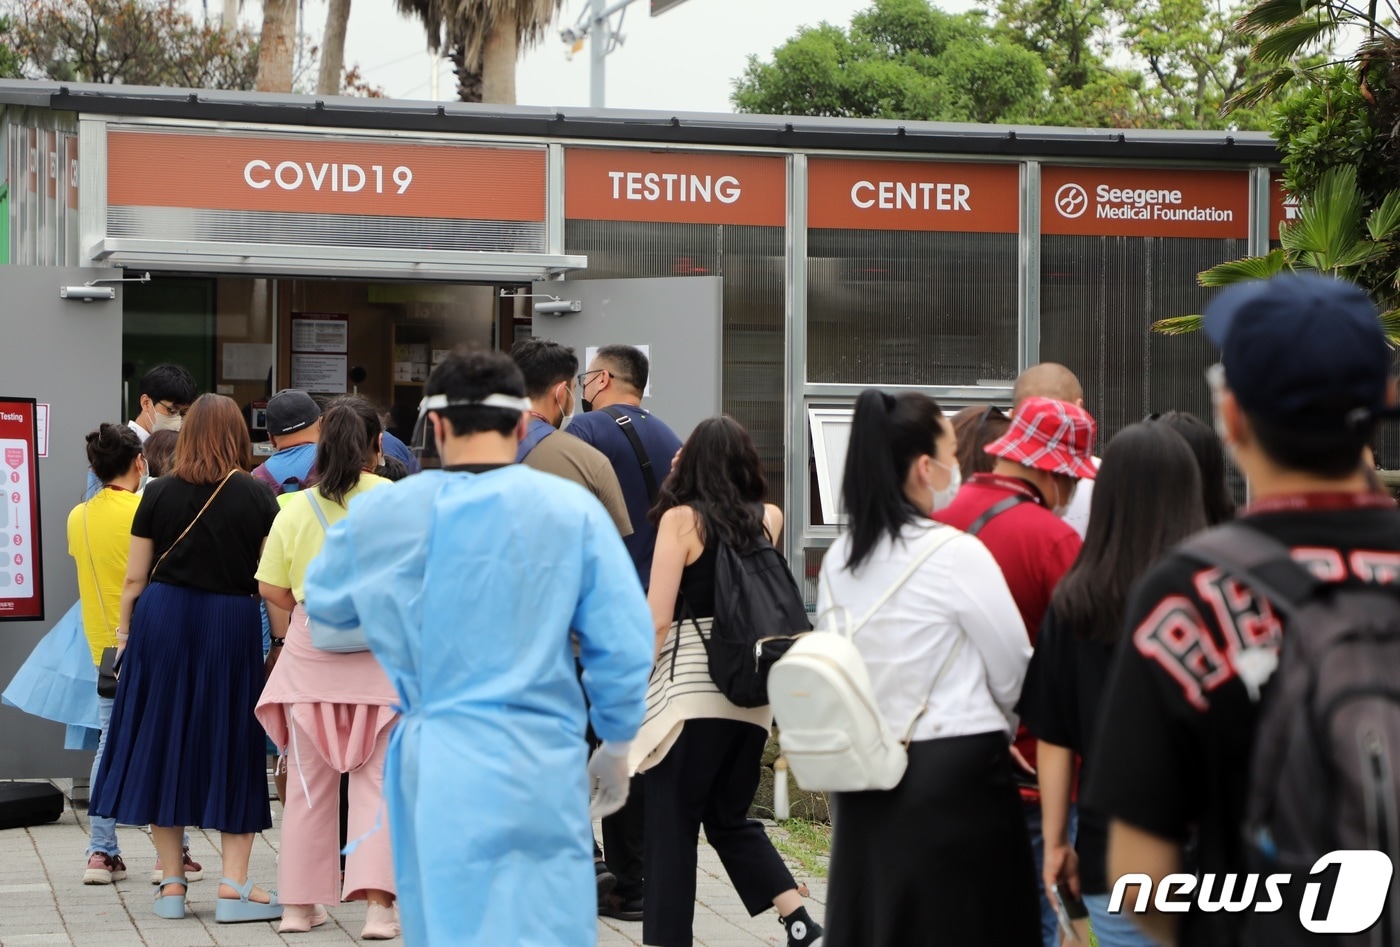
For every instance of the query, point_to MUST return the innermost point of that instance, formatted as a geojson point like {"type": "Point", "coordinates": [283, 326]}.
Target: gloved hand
{"type": "Point", "coordinates": [608, 779]}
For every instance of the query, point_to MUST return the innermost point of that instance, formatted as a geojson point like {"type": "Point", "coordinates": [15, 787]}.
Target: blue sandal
{"type": "Point", "coordinates": [170, 906]}
{"type": "Point", "coordinates": [229, 911]}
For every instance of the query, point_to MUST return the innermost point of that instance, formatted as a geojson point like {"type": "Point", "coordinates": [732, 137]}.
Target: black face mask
{"type": "Point", "coordinates": [586, 405]}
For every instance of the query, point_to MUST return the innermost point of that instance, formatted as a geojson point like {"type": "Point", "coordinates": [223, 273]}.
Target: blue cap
{"type": "Point", "coordinates": [1302, 350]}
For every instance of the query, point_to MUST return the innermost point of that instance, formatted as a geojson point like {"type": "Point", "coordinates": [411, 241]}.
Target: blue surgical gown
{"type": "Point", "coordinates": [467, 587]}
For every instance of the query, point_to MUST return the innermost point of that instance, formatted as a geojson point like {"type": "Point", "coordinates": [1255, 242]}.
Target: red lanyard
{"type": "Point", "coordinates": [119, 489]}
{"type": "Point", "coordinates": [536, 414]}
{"type": "Point", "coordinates": [1014, 484]}
{"type": "Point", "coordinates": [1318, 502]}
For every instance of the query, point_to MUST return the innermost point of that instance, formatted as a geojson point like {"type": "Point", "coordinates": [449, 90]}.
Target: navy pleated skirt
{"type": "Point", "coordinates": [184, 747]}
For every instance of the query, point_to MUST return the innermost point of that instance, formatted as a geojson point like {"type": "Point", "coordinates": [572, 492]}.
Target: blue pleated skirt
{"type": "Point", "coordinates": [184, 747]}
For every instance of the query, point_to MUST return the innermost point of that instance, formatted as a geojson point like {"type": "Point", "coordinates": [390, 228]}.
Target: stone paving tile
{"type": "Point", "coordinates": [45, 903]}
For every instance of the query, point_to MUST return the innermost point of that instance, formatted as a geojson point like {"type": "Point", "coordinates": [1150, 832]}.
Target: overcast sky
{"type": "Point", "coordinates": [684, 59]}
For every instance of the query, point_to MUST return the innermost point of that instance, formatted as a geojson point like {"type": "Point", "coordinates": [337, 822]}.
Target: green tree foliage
{"type": "Point", "coordinates": [136, 42]}
{"type": "Point", "coordinates": [9, 60]}
{"type": "Point", "coordinates": [899, 59]}
{"type": "Point", "coordinates": [1095, 63]}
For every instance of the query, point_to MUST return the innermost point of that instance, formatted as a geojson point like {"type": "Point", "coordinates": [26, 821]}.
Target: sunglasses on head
{"type": "Point", "coordinates": [992, 411]}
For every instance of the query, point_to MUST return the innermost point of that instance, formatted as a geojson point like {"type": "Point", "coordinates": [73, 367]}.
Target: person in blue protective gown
{"type": "Point", "coordinates": [470, 585]}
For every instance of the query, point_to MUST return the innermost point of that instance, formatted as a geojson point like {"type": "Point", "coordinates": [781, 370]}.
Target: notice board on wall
{"type": "Point", "coordinates": [21, 579]}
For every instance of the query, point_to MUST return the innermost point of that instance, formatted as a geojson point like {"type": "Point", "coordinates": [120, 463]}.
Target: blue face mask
{"type": "Point", "coordinates": [145, 475]}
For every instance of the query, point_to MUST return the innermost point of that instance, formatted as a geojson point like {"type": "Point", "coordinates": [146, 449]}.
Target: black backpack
{"type": "Point", "coordinates": [759, 613]}
{"type": "Point", "coordinates": [1325, 771]}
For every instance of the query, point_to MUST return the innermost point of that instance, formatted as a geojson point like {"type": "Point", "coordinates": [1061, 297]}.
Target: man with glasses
{"type": "Point", "coordinates": [640, 447]}
{"type": "Point", "coordinates": [166, 393]}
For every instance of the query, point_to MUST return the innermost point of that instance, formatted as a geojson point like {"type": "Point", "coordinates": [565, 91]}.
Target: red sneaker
{"type": "Point", "coordinates": [103, 869]}
{"type": "Point", "coordinates": [193, 871]}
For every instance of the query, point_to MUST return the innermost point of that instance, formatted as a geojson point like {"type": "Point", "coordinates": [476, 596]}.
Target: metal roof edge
{"type": "Point", "coordinates": [618, 125]}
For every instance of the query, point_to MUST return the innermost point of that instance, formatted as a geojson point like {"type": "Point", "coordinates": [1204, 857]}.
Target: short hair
{"type": "Point", "coordinates": [167, 382]}
{"type": "Point", "coordinates": [1046, 380]}
{"type": "Point", "coordinates": [544, 363]}
{"type": "Point", "coordinates": [160, 451]}
{"type": "Point", "coordinates": [213, 440]}
{"type": "Point", "coordinates": [471, 374]}
{"type": "Point", "coordinates": [1328, 455]}
{"type": "Point", "coordinates": [111, 450]}
{"type": "Point", "coordinates": [628, 365]}
{"type": "Point", "coordinates": [975, 428]}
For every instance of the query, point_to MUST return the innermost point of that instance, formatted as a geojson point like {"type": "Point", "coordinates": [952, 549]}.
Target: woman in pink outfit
{"type": "Point", "coordinates": [329, 713]}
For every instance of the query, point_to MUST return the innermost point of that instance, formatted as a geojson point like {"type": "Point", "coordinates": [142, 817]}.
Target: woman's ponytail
{"type": "Point", "coordinates": [348, 438]}
{"type": "Point", "coordinates": [888, 432]}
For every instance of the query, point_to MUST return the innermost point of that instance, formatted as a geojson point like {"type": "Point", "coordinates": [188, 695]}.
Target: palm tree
{"type": "Point", "coordinates": [1284, 30]}
{"type": "Point", "coordinates": [328, 81]}
{"type": "Point", "coordinates": [1328, 236]}
{"type": "Point", "coordinates": [485, 38]}
{"type": "Point", "coordinates": [277, 47]}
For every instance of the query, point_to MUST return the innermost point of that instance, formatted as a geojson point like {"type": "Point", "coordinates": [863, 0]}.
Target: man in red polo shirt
{"type": "Point", "coordinates": [1016, 511]}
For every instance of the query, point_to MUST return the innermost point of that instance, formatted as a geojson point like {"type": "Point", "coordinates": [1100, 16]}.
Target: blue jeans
{"type": "Point", "coordinates": [1113, 930]}
{"type": "Point", "coordinates": [1049, 923]}
{"type": "Point", "coordinates": [104, 831]}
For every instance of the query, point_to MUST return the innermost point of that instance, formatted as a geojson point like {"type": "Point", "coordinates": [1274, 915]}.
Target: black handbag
{"type": "Point", "coordinates": [107, 674]}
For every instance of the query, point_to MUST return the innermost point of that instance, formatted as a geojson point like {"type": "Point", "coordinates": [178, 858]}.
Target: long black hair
{"type": "Point", "coordinates": [888, 433]}
{"type": "Point", "coordinates": [1210, 457]}
{"type": "Point", "coordinates": [1147, 498]}
{"type": "Point", "coordinates": [349, 440]}
{"type": "Point", "coordinates": [719, 476]}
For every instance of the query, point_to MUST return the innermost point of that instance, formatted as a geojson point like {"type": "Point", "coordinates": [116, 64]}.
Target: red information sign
{"type": "Point", "coordinates": [672, 187]}
{"type": "Point", "coordinates": [21, 579]}
{"type": "Point", "coordinates": [1144, 202]}
{"type": "Point", "coordinates": [847, 194]}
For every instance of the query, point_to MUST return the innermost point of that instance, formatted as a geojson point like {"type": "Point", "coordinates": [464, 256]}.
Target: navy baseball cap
{"type": "Point", "coordinates": [1302, 350]}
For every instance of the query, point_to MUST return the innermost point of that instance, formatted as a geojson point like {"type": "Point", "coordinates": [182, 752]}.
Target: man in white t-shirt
{"type": "Point", "coordinates": [166, 393]}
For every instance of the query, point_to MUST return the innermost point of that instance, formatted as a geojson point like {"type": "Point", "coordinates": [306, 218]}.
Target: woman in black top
{"type": "Point", "coordinates": [701, 753]}
{"type": "Point", "coordinates": [1147, 498]}
{"type": "Point", "coordinates": [185, 748]}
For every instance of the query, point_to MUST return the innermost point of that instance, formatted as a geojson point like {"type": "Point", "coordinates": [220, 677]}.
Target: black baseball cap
{"type": "Point", "coordinates": [1302, 350]}
{"type": "Point", "coordinates": [289, 411]}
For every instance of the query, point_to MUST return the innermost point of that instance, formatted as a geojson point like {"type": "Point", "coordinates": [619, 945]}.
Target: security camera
{"type": "Point", "coordinates": [87, 293]}
{"type": "Point", "coordinates": [558, 308]}
{"type": "Point", "coordinates": [569, 35]}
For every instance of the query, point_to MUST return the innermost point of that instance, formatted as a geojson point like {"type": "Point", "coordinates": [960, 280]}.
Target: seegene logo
{"type": "Point", "coordinates": [1071, 200]}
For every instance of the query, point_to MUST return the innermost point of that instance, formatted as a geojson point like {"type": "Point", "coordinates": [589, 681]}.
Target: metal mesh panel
{"type": "Point", "coordinates": [902, 307]}
{"type": "Point", "coordinates": [1099, 298]}
{"type": "Point", "coordinates": [334, 230]}
{"type": "Point", "coordinates": [751, 261]}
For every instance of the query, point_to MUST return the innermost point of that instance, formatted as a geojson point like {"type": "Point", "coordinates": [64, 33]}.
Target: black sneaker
{"type": "Point", "coordinates": [606, 879]}
{"type": "Point", "coordinates": [618, 908]}
{"type": "Point", "coordinates": [802, 931]}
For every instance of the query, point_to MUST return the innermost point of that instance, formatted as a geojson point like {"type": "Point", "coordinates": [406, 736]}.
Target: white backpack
{"type": "Point", "coordinates": [829, 724]}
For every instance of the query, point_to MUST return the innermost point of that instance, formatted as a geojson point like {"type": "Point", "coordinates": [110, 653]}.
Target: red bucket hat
{"type": "Point", "coordinates": [1049, 435]}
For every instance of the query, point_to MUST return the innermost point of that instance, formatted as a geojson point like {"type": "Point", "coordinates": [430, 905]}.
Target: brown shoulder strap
{"type": "Point", "coordinates": [217, 490]}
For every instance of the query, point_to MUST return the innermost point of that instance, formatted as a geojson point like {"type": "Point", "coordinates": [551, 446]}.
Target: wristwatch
{"type": "Point", "coordinates": [278, 642]}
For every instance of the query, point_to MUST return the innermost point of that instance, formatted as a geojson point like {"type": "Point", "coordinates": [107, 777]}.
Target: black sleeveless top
{"type": "Point", "coordinates": [698, 587]}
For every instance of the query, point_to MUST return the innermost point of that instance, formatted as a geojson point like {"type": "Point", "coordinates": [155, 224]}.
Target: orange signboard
{"type": "Point", "coordinates": [1283, 207]}
{"type": "Point", "coordinates": [913, 195]}
{"type": "Point", "coordinates": [315, 175]}
{"type": "Point", "coordinates": [1144, 202]}
{"type": "Point", "coordinates": [671, 187]}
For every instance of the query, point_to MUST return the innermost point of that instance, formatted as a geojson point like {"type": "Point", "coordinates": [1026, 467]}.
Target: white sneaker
{"type": "Point", "coordinates": [381, 922]}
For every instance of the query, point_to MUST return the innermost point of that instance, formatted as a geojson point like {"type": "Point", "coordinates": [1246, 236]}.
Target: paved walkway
{"type": "Point", "coordinates": [45, 902]}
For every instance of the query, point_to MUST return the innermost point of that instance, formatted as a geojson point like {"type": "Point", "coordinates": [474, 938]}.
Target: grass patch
{"type": "Point", "coordinates": [806, 843]}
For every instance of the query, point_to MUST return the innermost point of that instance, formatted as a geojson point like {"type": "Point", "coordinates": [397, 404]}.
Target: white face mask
{"type": "Point", "coordinates": [165, 422]}
{"type": "Point", "coordinates": [942, 498]}
{"type": "Point", "coordinates": [145, 475]}
{"type": "Point", "coordinates": [1061, 509]}
{"type": "Point", "coordinates": [566, 417]}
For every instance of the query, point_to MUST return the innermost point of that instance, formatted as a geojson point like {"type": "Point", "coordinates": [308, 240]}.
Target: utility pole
{"type": "Point", "coordinates": [599, 35]}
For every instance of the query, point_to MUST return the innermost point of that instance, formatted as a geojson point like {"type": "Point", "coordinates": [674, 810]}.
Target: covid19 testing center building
{"type": "Point", "coordinates": [771, 267]}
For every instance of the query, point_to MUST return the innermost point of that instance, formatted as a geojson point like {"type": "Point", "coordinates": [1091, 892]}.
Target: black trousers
{"type": "Point", "coordinates": [623, 833]}
{"type": "Point", "coordinates": [708, 778]}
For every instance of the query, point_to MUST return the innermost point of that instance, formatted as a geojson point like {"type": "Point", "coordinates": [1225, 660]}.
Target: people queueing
{"type": "Point", "coordinates": [1055, 381]}
{"type": "Point", "coordinates": [1147, 498]}
{"type": "Point", "coordinates": [701, 753]}
{"type": "Point", "coordinates": [1016, 510]}
{"type": "Point", "coordinates": [328, 713]}
{"type": "Point", "coordinates": [468, 584]}
{"type": "Point", "coordinates": [1303, 376]}
{"type": "Point", "coordinates": [1210, 458]}
{"type": "Point", "coordinates": [549, 369]}
{"type": "Point", "coordinates": [184, 747]}
{"type": "Point", "coordinates": [944, 857]}
{"type": "Point", "coordinates": [293, 427]}
{"type": "Point", "coordinates": [99, 537]}
{"type": "Point", "coordinates": [640, 447]}
{"type": "Point", "coordinates": [165, 393]}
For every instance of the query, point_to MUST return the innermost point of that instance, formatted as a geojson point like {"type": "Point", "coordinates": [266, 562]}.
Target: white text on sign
{"type": "Point", "coordinates": [915, 195]}
{"type": "Point", "coordinates": [345, 178]}
{"type": "Point", "coordinates": [674, 187]}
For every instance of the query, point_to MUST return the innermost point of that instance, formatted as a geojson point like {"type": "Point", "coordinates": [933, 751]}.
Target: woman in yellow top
{"type": "Point", "coordinates": [99, 537]}
{"type": "Point", "coordinates": [329, 713]}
